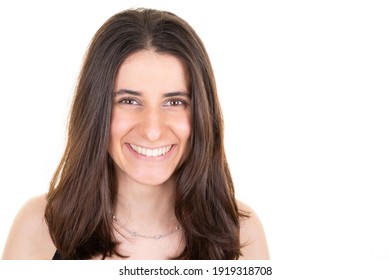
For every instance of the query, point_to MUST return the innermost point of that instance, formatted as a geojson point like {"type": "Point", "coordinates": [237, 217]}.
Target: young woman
{"type": "Point", "coordinates": [144, 173]}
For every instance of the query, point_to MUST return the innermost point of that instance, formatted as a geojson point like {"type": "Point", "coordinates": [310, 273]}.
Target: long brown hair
{"type": "Point", "coordinates": [83, 189]}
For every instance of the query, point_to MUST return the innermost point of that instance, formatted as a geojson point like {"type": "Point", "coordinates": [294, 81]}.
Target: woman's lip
{"type": "Point", "coordinates": [151, 153]}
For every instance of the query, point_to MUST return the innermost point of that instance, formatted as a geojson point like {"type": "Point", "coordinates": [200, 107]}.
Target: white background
{"type": "Point", "coordinates": [305, 91]}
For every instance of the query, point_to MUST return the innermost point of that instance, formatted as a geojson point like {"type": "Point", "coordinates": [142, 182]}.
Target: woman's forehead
{"type": "Point", "coordinates": [150, 70]}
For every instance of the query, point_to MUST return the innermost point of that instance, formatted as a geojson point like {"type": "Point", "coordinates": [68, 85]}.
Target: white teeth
{"type": "Point", "coordinates": [149, 152]}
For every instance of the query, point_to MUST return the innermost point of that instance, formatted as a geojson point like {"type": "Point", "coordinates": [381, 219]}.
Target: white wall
{"type": "Point", "coordinates": [305, 94]}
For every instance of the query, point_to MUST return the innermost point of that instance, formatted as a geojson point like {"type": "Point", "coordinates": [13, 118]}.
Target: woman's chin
{"type": "Point", "coordinates": [153, 180]}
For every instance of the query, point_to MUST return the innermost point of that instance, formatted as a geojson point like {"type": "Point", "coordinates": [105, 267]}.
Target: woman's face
{"type": "Point", "coordinates": [151, 118]}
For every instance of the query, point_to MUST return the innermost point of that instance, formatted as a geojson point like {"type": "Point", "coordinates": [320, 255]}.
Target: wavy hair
{"type": "Point", "coordinates": [83, 190]}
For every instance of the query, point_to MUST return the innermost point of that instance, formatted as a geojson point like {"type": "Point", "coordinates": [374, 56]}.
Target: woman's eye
{"type": "Point", "coordinates": [175, 102]}
{"type": "Point", "coordinates": [129, 101]}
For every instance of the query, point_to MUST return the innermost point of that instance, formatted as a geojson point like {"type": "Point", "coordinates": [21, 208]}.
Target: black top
{"type": "Point", "coordinates": [56, 256]}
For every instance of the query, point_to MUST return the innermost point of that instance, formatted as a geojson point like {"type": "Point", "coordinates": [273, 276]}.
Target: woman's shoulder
{"type": "Point", "coordinates": [29, 236]}
{"type": "Point", "coordinates": [252, 236]}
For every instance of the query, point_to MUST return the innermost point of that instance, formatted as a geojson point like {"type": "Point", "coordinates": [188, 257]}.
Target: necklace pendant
{"type": "Point", "coordinates": [158, 237]}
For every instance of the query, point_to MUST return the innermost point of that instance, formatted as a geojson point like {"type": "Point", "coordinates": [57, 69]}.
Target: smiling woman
{"type": "Point", "coordinates": [144, 173]}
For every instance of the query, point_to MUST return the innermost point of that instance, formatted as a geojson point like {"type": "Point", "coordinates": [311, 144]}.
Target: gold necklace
{"type": "Point", "coordinates": [155, 237]}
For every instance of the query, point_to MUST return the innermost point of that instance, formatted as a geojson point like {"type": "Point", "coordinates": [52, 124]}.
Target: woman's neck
{"type": "Point", "coordinates": [147, 209]}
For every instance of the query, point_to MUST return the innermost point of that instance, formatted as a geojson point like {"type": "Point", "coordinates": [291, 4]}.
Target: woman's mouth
{"type": "Point", "coordinates": [151, 152]}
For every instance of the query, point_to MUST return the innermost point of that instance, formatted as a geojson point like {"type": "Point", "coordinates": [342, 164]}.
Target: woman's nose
{"type": "Point", "coordinates": [152, 125]}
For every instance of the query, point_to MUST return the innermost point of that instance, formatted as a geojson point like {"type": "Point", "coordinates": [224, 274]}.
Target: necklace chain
{"type": "Point", "coordinates": [154, 237]}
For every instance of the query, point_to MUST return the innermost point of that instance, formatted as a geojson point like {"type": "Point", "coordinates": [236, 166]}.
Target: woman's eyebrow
{"type": "Point", "coordinates": [127, 91]}
{"type": "Point", "coordinates": [177, 93]}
